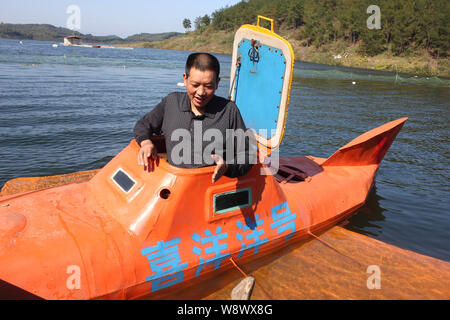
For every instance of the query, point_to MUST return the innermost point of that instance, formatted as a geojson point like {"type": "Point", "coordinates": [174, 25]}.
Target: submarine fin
{"type": "Point", "coordinates": [369, 148]}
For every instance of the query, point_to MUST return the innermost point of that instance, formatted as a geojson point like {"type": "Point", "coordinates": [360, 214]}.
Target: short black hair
{"type": "Point", "coordinates": [202, 61]}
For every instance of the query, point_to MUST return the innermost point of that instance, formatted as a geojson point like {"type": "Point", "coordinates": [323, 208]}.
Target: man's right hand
{"type": "Point", "coordinates": [148, 150]}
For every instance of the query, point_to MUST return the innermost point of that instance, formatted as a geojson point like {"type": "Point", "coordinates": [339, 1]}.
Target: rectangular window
{"type": "Point", "coordinates": [232, 200]}
{"type": "Point", "coordinates": [123, 180]}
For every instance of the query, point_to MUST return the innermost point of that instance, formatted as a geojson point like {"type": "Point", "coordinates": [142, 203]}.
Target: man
{"type": "Point", "coordinates": [195, 111]}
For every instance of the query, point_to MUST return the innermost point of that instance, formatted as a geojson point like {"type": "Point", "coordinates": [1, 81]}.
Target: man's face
{"type": "Point", "coordinates": [200, 86]}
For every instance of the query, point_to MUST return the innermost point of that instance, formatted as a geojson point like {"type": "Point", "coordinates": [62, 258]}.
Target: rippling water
{"type": "Point", "coordinates": [68, 109]}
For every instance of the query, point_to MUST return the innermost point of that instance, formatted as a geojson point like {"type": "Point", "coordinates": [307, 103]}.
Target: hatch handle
{"type": "Point", "coordinates": [265, 18]}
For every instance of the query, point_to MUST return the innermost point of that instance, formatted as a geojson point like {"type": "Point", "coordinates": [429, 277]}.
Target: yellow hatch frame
{"type": "Point", "coordinates": [252, 30]}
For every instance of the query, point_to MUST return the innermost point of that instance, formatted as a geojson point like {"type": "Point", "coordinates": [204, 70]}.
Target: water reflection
{"type": "Point", "coordinates": [363, 220]}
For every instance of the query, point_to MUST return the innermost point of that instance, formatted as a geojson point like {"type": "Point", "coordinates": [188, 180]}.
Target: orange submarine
{"type": "Point", "coordinates": [129, 233]}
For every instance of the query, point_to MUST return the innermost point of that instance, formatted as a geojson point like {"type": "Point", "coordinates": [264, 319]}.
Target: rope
{"type": "Point", "coordinates": [237, 267]}
{"type": "Point", "coordinates": [333, 248]}
{"type": "Point", "coordinates": [253, 52]}
{"type": "Point", "coordinates": [236, 76]}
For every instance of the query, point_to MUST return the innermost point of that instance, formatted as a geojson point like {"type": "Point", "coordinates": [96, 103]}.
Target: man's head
{"type": "Point", "coordinates": [201, 78]}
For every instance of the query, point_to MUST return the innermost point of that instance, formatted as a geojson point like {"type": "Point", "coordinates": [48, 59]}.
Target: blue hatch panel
{"type": "Point", "coordinates": [258, 85]}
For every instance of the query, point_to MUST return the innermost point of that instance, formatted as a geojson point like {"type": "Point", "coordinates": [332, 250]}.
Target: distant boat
{"type": "Point", "coordinates": [55, 45]}
{"type": "Point", "coordinates": [75, 41]}
{"type": "Point", "coordinates": [72, 41]}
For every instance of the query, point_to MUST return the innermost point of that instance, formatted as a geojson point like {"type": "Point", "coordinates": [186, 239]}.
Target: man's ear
{"type": "Point", "coordinates": [185, 79]}
{"type": "Point", "coordinates": [217, 83]}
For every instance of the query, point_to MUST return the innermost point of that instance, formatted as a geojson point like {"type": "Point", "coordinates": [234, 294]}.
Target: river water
{"type": "Point", "coordinates": [68, 109]}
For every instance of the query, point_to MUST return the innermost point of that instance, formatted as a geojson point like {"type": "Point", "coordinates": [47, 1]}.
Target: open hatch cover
{"type": "Point", "coordinates": [261, 77]}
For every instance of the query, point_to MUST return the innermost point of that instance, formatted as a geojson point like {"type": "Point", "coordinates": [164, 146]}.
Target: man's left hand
{"type": "Point", "coordinates": [221, 167]}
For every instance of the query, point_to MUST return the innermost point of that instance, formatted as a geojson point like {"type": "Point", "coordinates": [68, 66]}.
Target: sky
{"type": "Point", "coordinates": [111, 17]}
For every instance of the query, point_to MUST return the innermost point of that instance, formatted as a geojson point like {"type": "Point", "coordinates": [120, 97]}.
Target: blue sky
{"type": "Point", "coordinates": [107, 17]}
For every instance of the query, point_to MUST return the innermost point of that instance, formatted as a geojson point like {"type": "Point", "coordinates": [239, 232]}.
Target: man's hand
{"type": "Point", "coordinates": [148, 150]}
{"type": "Point", "coordinates": [221, 167]}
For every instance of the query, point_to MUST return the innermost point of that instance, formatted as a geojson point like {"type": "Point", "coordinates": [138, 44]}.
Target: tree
{"type": "Point", "coordinates": [221, 20]}
{"type": "Point", "coordinates": [205, 21]}
{"type": "Point", "coordinates": [405, 24]}
{"type": "Point", "coordinates": [432, 26]}
{"type": "Point", "coordinates": [187, 24]}
{"type": "Point", "coordinates": [318, 17]}
{"type": "Point", "coordinates": [198, 23]}
{"type": "Point", "coordinates": [404, 27]}
{"type": "Point", "coordinates": [351, 15]}
{"type": "Point", "coordinates": [294, 16]}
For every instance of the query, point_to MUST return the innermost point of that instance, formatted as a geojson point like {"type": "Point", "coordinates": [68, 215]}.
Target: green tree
{"type": "Point", "coordinates": [318, 17]}
{"type": "Point", "coordinates": [405, 24]}
{"type": "Point", "coordinates": [206, 20]}
{"type": "Point", "coordinates": [352, 17]}
{"type": "Point", "coordinates": [403, 27]}
{"type": "Point", "coordinates": [187, 24]}
{"type": "Point", "coordinates": [294, 17]}
{"type": "Point", "coordinates": [198, 23]}
{"type": "Point", "coordinates": [433, 26]}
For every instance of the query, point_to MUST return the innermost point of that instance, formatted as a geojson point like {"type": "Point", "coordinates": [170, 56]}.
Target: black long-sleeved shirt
{"type": "Point", "coordinates": [191, 139]}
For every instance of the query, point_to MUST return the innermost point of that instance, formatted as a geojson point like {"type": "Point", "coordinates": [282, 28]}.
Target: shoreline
{"type": "Point", "coordinates": [336, 54]}
{"type": "Point", "coordinates": [420, 64]}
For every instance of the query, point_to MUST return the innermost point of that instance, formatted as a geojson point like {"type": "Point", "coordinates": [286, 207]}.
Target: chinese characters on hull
{"type": "Point", "coordinates": [212, 248]}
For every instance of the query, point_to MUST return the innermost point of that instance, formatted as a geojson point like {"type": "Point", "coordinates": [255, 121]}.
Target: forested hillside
{"type": "Point", "coordinates": [406, 25]}
{"type": "Point", "coordinates": [413, 35]}
{"type": "Point", "coordinates": [48, 32]}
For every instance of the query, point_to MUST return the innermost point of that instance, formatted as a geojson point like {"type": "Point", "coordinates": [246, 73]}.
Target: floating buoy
{"type": "Point", "coordinates": [353, 82]}
{"type": "Point", "coordinates": [180, 84]}
{"type": "Point", "coordinates": [55, 45]}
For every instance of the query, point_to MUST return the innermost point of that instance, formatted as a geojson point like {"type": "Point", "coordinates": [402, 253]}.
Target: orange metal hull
{"type": "Point", "coordinates": [92, 240]}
